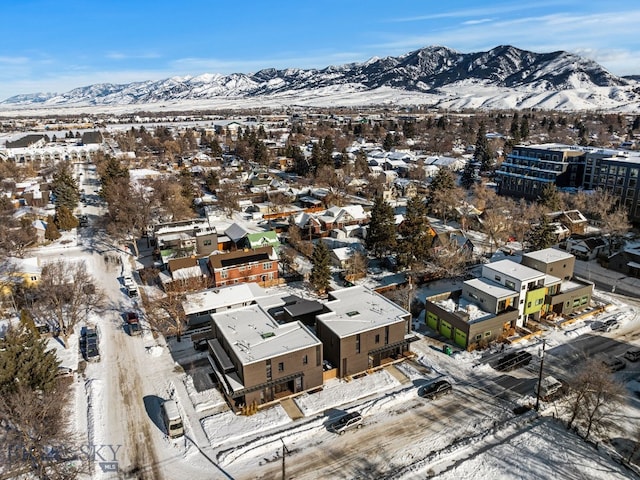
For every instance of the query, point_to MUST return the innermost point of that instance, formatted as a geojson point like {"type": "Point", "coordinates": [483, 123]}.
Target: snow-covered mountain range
{"type": "Point", "coordinates": [503, 77]}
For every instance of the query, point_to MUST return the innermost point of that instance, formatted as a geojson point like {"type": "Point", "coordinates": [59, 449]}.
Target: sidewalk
{"type": "Point", "coordinates": [292, 409]}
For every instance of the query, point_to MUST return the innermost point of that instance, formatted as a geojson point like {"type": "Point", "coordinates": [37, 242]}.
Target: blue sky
{"type": "Point", "coordinates": [55, 46]}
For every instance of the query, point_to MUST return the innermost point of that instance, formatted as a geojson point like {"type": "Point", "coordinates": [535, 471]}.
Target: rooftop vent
{"type": "Point", "coordinates": [266, 335]}
{"type": "Point", "coordinates": [353, 313]}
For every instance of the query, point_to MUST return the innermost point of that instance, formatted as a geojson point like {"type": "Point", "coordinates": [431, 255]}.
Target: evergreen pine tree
{"type": "Point", "coordinates": [320, 272]}
{"type": "Point", "coordinates": [483, 154]}
{"type": "Point", "coordinates": [65, 186]}
{"type": "Point", "coordinates": [469, 175]}
{"type": "Point", "coordinates": [51, 232]}
{"type": "Point", "coordinates": [26, 361]}
{"type": "Point", "coordinates": [542, 235]}
{"type": "Point", "coordinates": [514, 130]}
{"type": "Point", "coordinates": [550, 198]}
{"type": "Point", "coordinates": [415, 245]}
{"type": "Point", "coordinates": [524, 128]}
{"type": "Point", "coordinates": [381, 236]}
{"type": "Point", "coordinates": [64, 219]}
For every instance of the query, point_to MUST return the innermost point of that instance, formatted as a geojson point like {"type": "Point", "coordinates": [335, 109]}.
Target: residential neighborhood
{"type": "Point", "coordinates": [256, 285]}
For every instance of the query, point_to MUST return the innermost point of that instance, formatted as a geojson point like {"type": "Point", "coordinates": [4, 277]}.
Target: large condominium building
{"type": "Point", "coordinates": [527, 169]}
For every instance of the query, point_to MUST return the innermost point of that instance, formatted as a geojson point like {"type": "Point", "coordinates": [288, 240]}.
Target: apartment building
{"type": "Point", "coordinates": [362, 329]}
{"type": "Point", "coordinates": [257, 360]}
{"type": "Point", "coordinates": [259, 265]}
{"type": "Point", "coordinates": [507, 297]}
{"type": "Point", "coordinates": [528, 168]}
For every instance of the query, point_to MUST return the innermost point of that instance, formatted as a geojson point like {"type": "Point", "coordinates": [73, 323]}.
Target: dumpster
{"type": "Point", "coordinates": [446, 349]}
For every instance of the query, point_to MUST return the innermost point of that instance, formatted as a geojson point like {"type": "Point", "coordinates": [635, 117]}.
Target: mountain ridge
{"type": "Point", "coordinates": [432, 75]}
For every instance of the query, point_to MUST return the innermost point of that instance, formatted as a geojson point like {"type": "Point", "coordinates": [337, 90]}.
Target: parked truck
{"type": "Point", "coordinates": [549, 387]}
{"type": "Point", "coordinates": [133, 323]}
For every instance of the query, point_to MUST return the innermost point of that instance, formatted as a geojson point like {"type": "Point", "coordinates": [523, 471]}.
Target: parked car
{"type": "Point", "coordinates": [436, 389]}
{"type": "Point", "coordinates": [346, 422]}
{"type": "Point", "coordinates": [89, 344]}
{"type": "Point", "coordinates": [632, 355]}
{"type": "Point", "coordinates": [64, 371]}
{"type": "Point", "coordinates": [614, 364]}
{"type": "Point", "coordinates": [513, 360]}
{"type": "Point", "coordinates": [130, 286]}
{"type": "Point", "coordinates": [609, 325]}
{"type": "Point", "coordinates": [133, 323]}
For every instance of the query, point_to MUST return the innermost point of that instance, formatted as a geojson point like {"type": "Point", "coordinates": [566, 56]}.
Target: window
{"type": "Point", "coordinates": [479, 336]}
{"type": "Point", "coordinates": [539, 301]}
{"type": "Point", "coordinates": [386, 335]}
{"type": "Point", "coordinates": [281, 367]}
{"type": "Point", "coordinates": [305, 360]}
{"type": "Point", "coordinates": [357, 343]}
{"type": "Point", "coordinates": [241, 268]}
{"type": "Point", "coordinates": [498, 278]}
{"type": "Point", "coordinates": [267, 266]}
{"type": "Point", "coordinates": [377, 339]}
{"type": "Point", "coordinates": [269, 369]}
{"type": "Point", "coordinates": [207, 243]}
{"type": "Point", "coordinates": [487, 334]}
{"type": "Point", "coordinates": [510, 284]}
{"type": "Point", "coordinates": [224, 274]}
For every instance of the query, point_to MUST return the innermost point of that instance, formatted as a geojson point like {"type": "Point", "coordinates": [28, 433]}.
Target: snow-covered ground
{"type": "Point", "coordinates": [238, 445]}
{"type": "Point", "coordinates": [474, 435]}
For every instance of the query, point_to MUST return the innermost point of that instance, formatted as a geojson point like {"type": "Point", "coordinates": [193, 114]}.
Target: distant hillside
{"type": "Point", "coordinates": [503, 77]}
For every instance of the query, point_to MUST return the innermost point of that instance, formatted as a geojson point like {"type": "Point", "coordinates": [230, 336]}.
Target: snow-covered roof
{"type": "Point", "coordinates": [491, 288]}
{"type": "Point", "coordinates": [255, 336]}
{"type": "Point", "coordinates": [549, 255]}
{"type": "Point", "coordinates": [358, 309]}
{"type": "Point", "coordinates": [514, 270]}
{"type": "Point", "coordinates": [215, 298]}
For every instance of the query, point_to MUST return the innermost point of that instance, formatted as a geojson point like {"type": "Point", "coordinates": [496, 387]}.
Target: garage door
{"type": "Point", "coordinates": [445, 329]}
{"type": "Point", "coordinates": [432, 321]}
{"type": "Point", "coordinates": [460, 338]}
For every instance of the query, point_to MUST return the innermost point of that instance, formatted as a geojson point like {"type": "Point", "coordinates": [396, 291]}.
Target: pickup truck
{"type": "Point", "coordinates": [549, 386]}
{"type": "Point", "coordinates": [133, 323]}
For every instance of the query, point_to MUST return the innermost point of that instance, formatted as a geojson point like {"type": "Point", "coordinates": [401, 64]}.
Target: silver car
{"type": "Point", "coordinates": [346, 422]}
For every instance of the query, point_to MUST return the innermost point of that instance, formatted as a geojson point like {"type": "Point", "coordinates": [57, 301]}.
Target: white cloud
{"type": "Point", "coordinates": [480, 12]}
{"type": "Point", "coordinates": [131, 56]}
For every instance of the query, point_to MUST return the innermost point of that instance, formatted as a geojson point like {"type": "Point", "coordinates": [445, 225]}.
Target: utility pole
{"type": "Point", "coordinates": [540, 375]}
{"type": "Point", "coordinates": [284, 453]}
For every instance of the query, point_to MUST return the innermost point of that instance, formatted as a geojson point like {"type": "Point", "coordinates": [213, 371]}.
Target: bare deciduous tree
{"type": "Point", "coordinates": [35, 436]}
{"type": "Point", "coordinates": [356, 266]}
{"type": "Point", "coordinates": [65, 296]}
{"type": "Point", "coordinates": [166, 314]}
{"type": "Point", "coordinates": [595, 395]}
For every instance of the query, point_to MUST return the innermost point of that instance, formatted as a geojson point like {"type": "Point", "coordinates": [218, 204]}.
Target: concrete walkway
{"type": "Point", "coordinates": [291, 408]}
{"type": "Point", "coordinates": [397, 374]}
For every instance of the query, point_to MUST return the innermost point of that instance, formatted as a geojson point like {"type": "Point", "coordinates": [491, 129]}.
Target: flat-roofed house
{"type": "Point", "coordinates": [257, 360]}
{"type": "Point", "coordinates": [362, 329]}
